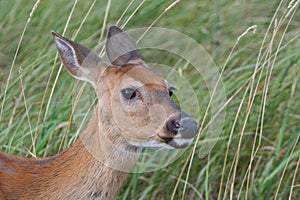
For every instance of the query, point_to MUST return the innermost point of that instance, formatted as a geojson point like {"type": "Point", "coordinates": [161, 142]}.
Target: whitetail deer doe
{"type": "Point", "coordinates": [134, 111]}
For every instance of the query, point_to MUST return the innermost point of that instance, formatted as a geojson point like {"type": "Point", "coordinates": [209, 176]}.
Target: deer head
{"type": "Point", "coordinates": [135, 107]}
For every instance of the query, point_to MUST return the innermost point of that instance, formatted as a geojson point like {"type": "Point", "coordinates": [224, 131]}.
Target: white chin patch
{"type": "Point", "coordinates": [176, 143]}
{"type": "Point", "coordinates": [149, 144]}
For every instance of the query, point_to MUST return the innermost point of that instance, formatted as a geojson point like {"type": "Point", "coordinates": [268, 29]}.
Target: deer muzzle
{"type": "Point", "coordinates": [181, 130]}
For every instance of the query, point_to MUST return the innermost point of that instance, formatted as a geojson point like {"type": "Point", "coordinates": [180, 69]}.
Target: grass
{"type": "Point", "coordinates": [256, 156]}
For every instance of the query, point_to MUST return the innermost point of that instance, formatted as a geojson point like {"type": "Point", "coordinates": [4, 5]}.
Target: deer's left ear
{"type": "Point", "coordinates": [80, 61]}
{"type": "Point", "coordinates": [121, 49]}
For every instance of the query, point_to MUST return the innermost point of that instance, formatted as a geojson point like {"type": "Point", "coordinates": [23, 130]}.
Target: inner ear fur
{"type": "Point", "coordinates": [81, 62]}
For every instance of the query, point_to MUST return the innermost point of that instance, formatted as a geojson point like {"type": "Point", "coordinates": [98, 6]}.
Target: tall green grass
{"type": "Point", "coordinates": [257, 155]}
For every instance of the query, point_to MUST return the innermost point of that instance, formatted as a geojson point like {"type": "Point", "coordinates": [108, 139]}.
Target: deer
{"type": "Point", "coordinates": [134, 111]}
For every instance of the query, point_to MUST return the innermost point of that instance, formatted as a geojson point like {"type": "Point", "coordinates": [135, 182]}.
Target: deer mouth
{"type": "Point", "coordinates": [177, 142]}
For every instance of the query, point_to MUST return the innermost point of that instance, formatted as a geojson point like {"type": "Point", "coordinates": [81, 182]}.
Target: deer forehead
{"type": "Point", "coordinates": [137, 76]}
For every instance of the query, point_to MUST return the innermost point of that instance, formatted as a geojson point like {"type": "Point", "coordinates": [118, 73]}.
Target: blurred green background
{"type": "Point", "coordinates": [257, 155]}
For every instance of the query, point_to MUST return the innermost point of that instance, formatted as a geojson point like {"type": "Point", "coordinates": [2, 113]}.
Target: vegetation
{"type": "Point", "coordinates": [256, 156]}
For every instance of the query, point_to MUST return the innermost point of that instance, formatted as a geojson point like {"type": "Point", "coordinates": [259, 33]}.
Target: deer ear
{"type": "Point", "coordinates": [80, 61]}
{"type": "Point", "coordinates": [121, 49]}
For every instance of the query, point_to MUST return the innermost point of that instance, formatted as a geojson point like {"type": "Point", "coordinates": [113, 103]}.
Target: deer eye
{"type": "Point", "coordinates": [128, 93]}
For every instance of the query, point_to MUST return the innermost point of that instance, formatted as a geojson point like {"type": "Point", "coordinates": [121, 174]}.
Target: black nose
{"type": "Point", "coordinates": [185, 126]}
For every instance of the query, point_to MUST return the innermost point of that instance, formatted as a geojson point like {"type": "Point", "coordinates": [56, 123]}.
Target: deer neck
{"type": "Point", "coordinates": [105, 159]}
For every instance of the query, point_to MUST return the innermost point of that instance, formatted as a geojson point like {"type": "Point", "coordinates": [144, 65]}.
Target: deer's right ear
{"type": "Point", "coordinates": [80, 61]}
